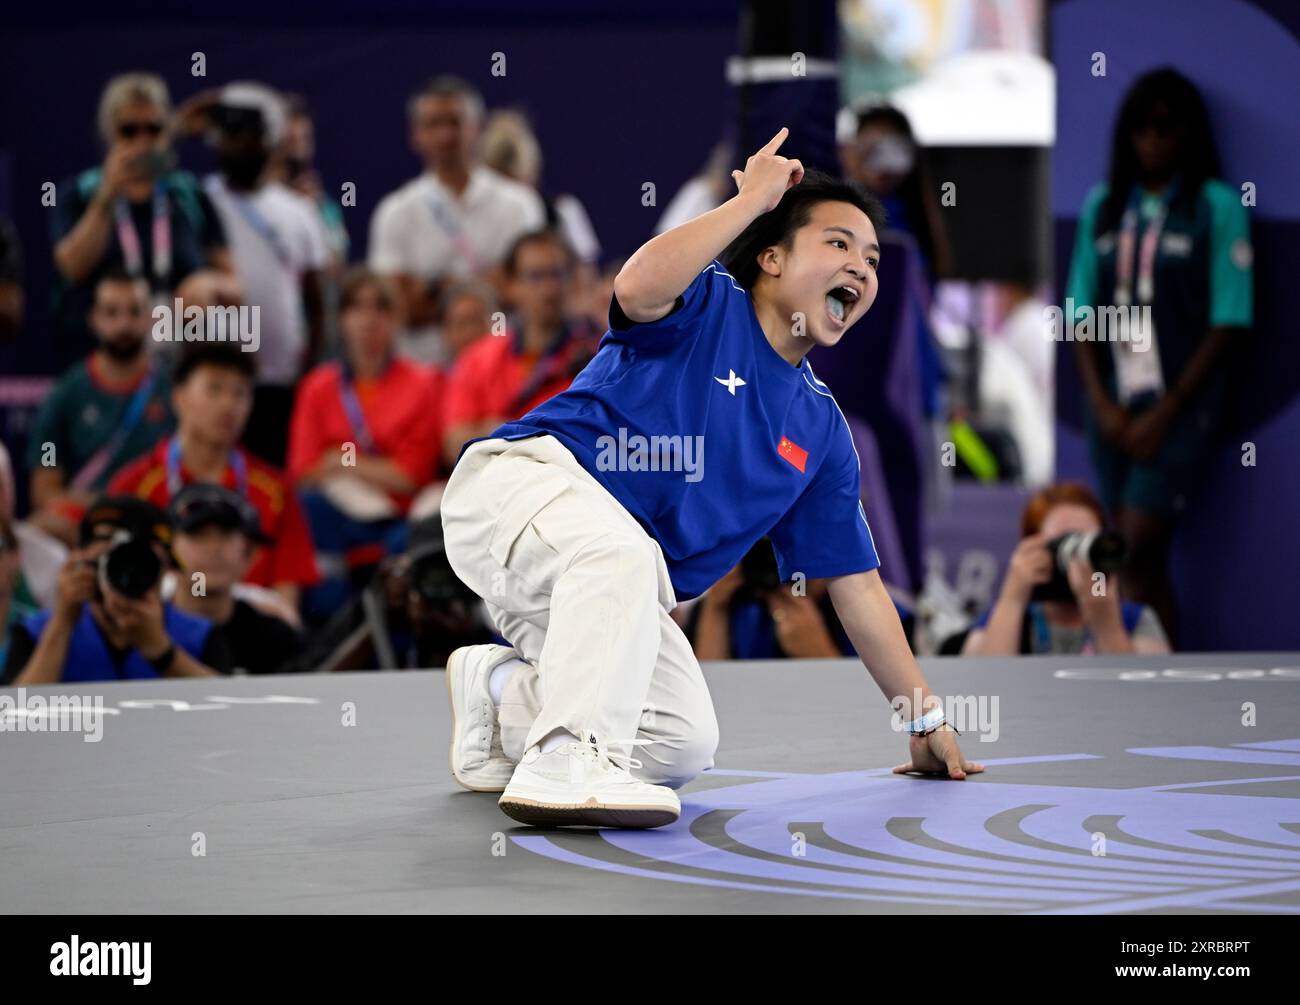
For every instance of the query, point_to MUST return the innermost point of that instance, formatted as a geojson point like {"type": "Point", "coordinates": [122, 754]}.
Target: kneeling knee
{"type": "Point", "coordinates": [675, 762]}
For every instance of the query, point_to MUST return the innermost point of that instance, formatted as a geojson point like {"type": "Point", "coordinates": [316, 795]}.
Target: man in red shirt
{"type": "Point", "coordinates": [212, 395]}
{"type": "Point", "coordinates": [503, 376]}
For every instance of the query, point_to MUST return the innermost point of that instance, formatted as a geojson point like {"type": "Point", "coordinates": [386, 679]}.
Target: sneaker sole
{"type": "Point", "coordinates": [455, 732]}
{"type": "Point", "coordinates": [588, 814]}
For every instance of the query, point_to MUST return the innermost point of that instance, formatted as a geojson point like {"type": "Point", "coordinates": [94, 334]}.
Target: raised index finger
{"type": "Point", "coordinates": [774, 144]}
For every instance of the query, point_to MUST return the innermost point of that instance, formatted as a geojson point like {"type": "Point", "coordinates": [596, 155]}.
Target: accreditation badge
{"type": "Point", "coordinates": [1136, 354]}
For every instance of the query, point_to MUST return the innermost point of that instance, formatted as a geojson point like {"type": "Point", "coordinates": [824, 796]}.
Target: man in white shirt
{"type": "Point", "coordinates": [279, 248]}
{"type": "Point", "coordinates": [456, 221]}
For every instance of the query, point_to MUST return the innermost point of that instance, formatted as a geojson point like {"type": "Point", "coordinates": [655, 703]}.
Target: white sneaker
{"type": "Point", "coordinates": [477, 760]}
{"type": "Point", "coordinates": [579, 783]}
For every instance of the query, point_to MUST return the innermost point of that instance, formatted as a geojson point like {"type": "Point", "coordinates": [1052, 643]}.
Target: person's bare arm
{"type": "Point", "coordinates": [82, 248]}
{"type": "Point", "coordinates": [713, 625]}
{"type": "Point", "coordinates": [380, 472]}
{"type": "Point", "coordinates": [384, 473]}
{"type": "Point", "coordinates": [46, 663]}
{"type": "Point", "coordinates": [458, 434]}
{"type": "Point", "coordinates": [869, 617]}
{"type": "Point", "coordinates": [1030, 564]}
{"type": "Point", "coordinates": [76, 586]}
{"type": "Point", "coordinates": [143, 624]}
{"type": "Point", "coordinates": [1205, 359]}
{"type": "Point", "coordinates": [659, 271]}
{"type": "Point", "coordinates": [1001, 636]}
{"type": "Point", "coordinates": [712, 631]}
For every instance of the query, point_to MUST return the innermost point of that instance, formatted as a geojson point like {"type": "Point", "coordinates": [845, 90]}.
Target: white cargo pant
{"type": "Point", "coordinates": [582, 593]}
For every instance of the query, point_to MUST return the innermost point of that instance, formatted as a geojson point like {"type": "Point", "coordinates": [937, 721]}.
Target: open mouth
{"type": "Point", "coordinates": [840, 301]}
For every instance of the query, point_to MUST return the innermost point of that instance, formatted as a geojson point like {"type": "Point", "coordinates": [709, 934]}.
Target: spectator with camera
{"type": "Point", "coordinates": [109, 621]}
{"type": "Point", "coordinates": [279, 248]}
{"type": "Point", "coordinates": [137, 213]}
{"type": "Point", "coordinates": [212, 396]}
{"type": "Point", "coordinates": [456, 221]}
{"type": "Point", "coordinates": [104, 412]}
{"type": "Point", "coordinates": [216, 533]}
{"type": "Point", "coordinates": [366, 436]}
{"type": "Point", "coordinates": [537, 356]}
{"type": "Point", "coordinates": [1059, 595]}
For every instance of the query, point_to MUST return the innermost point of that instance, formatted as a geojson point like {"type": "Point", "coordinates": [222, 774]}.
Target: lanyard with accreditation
{"type": "Point", "coordinates": [352, 408]}
{"type": "Point", "coordinates": [129, 240]}
{"type": "Point", "coordinates": [1137, 359]}
{"type": "Point", "coordinates": [98, 462]}
{"type": "Point", "coordinates": [174, 482]}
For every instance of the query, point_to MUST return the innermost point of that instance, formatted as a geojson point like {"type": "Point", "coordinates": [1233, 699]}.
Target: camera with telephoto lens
{"type": "Point", "coordinates": [1104, 550]}
{"type": "Point", "coordinates": [130, 567]}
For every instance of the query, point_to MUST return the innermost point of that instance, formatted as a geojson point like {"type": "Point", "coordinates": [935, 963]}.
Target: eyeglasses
{"type": "Point", "coordinates": [130, 130]}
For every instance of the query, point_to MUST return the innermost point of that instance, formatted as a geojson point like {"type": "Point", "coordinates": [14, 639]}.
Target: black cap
{"type": "Point", "coordinates": [141, 518]}
{"type": "Point", "coordinates": [200, 504]}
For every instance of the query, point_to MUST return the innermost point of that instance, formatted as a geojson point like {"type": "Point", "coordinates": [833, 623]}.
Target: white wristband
{"type": "Point", "coordinates": [931, 720]}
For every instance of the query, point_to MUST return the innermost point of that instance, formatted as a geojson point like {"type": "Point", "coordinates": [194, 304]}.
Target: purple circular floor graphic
{"type": "Point", "coordinates": [983, 845]}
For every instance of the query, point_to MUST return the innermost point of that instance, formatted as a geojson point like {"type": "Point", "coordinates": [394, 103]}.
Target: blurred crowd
{"type": "Point", "coordinates": [260, 493]}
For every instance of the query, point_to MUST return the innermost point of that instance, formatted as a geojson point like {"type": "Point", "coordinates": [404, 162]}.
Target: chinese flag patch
{"type": "Point", "coordinates": [793, 453]}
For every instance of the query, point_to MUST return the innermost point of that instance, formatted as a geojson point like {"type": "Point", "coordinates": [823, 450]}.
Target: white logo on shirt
{"type": "Point", "coordinates": [731, 383]}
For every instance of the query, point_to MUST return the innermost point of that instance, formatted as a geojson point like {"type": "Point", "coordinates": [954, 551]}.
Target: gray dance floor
{"type": "Point", "coordinates": [1113, 785]}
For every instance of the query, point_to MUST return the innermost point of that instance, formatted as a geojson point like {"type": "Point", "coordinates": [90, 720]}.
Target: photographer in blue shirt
{"type": "Point", "coordinates": [108, 621]}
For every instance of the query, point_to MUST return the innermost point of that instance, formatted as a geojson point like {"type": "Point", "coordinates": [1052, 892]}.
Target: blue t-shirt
{"type": "Point", "coordinates": [711, 440]}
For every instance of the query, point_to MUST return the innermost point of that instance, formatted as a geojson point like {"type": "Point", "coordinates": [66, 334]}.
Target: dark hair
{"type": "Point", "coordinates": [547, 236]}
{"type": "Point", "coordinates": [778, 226]}
{"type": "Point", "coordinates": [116, 275]}
{"type": "Point", "coordinates": [1198, 157]}
{"type": "Point", "coordinates": [915, 190]}
{"type": "Point", "coordinates": [447, 86]}
{"type": "Point", "coordinates": [226, 355]}
{"type": "Point", "coordinates": [359, 278]}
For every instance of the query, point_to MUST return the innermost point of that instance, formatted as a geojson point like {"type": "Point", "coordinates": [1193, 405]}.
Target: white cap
{"type": "Point", "coordinates": [249, 94]}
